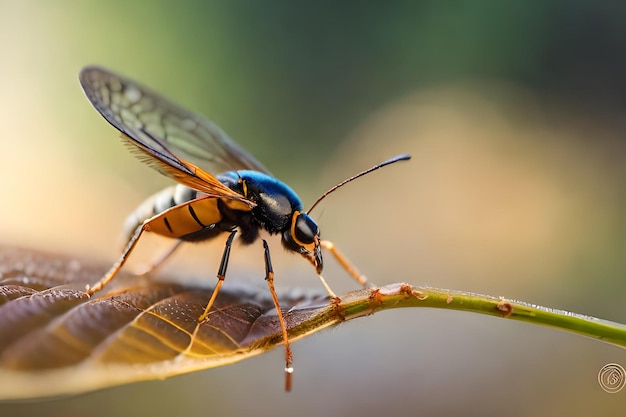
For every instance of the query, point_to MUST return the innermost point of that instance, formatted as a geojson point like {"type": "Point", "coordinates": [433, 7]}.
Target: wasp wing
{"type": "Point", "coordinates": [168, 136]}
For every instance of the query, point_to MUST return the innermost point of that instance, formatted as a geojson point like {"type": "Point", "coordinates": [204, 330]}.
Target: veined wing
{"type": "Point", "coordinates": [190, 136]}
{"type": "Point", "coordinates": [175, 141]}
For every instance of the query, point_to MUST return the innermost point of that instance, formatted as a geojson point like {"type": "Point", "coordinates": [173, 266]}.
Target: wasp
{"type": "Point", "coordinates": [244, 199]}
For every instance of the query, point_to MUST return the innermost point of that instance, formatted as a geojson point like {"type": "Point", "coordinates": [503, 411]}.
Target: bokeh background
{"type": "Point", "coordinates": [514, 115]}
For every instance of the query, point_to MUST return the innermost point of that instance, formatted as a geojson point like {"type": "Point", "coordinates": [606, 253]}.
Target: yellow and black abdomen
{"type": "Point", "coordinates": [178, 212]}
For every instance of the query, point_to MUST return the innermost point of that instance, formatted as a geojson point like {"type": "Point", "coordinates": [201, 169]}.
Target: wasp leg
{"type": "Point", "coordinates": [120, 262]}
{"type": "Point", "coordinates": [158, 262]}
{"type": "Point", "coordinates": [269, 277]}
{"type": "Point", "coordinates": [345, 263]}
{"type": "Point", "coordinates": [221, 274]}
{"type": "Point", "coordinates": [330, 292]}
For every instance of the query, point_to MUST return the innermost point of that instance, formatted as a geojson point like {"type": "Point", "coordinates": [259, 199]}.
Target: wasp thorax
{"type": "Point", "coordinates": [275, 201]}
{"type": "Point", "coordinates": [273, 211]}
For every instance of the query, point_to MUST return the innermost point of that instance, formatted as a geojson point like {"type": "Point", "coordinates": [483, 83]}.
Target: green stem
{"type": "Point", "coordinates": [365, 302]}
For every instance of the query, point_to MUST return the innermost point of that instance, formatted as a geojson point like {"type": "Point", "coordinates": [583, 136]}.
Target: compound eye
{"type": "Point", "coordinates": [305, 229]}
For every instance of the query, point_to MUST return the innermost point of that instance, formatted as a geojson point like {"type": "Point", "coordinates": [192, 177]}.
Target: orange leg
{"type": "Point", "coordinates": [155, 264]}
{"type": "Point", "coordinates": [120, 262]}
{"type": "Point", "coordinates": [221, 274]}
{"type": "Point", "coordinates": [345, 263]}
{"type": "Point", "coordinates": [269, 277]}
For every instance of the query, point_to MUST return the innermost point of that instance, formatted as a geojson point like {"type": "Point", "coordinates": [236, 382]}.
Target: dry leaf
{"type": "Point", "coordinates": [57, 340]}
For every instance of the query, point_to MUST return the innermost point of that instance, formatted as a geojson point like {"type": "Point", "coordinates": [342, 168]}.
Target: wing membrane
{"type": "Point", "coordinates": [175, 141]}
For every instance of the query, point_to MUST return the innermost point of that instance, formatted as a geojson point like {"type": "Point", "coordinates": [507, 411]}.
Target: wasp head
{"type": "Point", "coordinates": [303, 237]}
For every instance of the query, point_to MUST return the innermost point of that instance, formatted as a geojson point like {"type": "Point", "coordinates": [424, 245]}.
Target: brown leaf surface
{"type": "Point", "coordinates": [54, 339]}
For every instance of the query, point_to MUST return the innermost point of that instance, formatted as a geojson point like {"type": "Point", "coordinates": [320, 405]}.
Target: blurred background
{"type": "Point", "coordinates": [514, 115]}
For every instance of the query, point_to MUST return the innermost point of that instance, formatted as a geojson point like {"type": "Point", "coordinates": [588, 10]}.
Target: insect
{"type": "Point", "coordinates": [244, 199]}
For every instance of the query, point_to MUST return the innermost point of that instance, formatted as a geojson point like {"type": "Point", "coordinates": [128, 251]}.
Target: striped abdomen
{"type": "Point", "coordinates": [178, 215]}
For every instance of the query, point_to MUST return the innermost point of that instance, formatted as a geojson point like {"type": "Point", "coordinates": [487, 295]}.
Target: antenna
{"type": "Point", "coordinates": [397, 158]}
